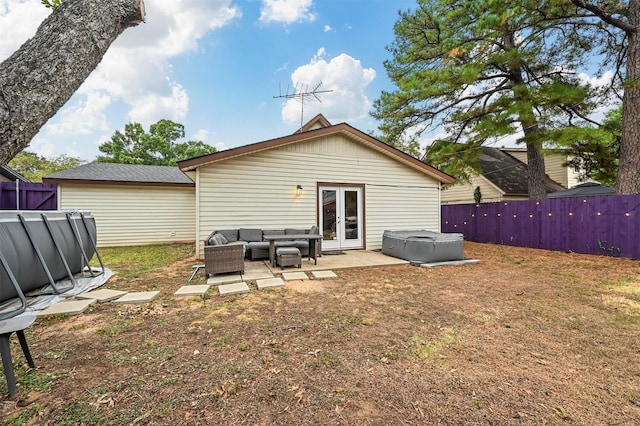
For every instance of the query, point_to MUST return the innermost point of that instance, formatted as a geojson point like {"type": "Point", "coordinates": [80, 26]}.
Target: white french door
{"type": "Point", "coordinates": [341, 217]}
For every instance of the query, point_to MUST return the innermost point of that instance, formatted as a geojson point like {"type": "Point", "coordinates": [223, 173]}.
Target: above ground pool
{"type": "Point", "coordinates": [422, 246]}
{"type": "Point", "coordinates": [40, 248]}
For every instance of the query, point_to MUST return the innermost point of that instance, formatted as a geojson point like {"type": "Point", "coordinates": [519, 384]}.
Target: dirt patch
{"type": "Point", "coordinates": [525, 337]}
{"type": "Point", "coordinates": [307, 286]}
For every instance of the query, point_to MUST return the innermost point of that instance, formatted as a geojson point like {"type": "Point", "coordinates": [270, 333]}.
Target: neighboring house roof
{"type": "Point", "coordinates": [587, 189]}
{"type": "Point", "coordinates": [319, 127]}
{"type": "Point", "coordinates": [127, 174]}
{"type": "Point", "coordinates": [508, 173]}
{"type": "Point", "coordinates": [12, 175]}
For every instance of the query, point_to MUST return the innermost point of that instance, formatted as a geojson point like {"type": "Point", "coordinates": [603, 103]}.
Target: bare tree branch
{"type": "Point", "coordinates": [609, 19]}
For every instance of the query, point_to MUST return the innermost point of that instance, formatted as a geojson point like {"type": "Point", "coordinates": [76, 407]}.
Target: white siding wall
{"type": "Point", "coordinates": [463, 193]}
{"type": "Point", "coordinates": [555, 170]}
{"type": "Point", "coordinates": [259, 190]}
{"type": "Point", "coordinates": [573, 177]}
{"type": "Point", "coordinates": [134, 215]}
{"type": "Point", "coordinates": [519, 154]}
{"type": "Point", "coordinates": [565, 176]}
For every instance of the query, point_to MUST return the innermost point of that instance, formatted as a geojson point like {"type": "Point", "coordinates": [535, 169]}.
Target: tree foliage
{"type": "Point", "coordinates": [157, 147]}
{"type": "Point", "coordinates": [34, 166]}
{"type": "Point", "coordinates": [52, 4]}
{"type": "Point", "coordinates": [624, 57]}
{"type": "Point", "coordinates": [594, 151]}
{"type": "Point", "coordinates": [485, 69]}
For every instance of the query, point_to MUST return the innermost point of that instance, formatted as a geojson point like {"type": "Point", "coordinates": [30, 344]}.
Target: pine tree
{"type": "Point", "coordinates": [487, 69]}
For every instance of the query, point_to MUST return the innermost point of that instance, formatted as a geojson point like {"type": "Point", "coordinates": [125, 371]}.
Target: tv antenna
{"type": "Point", "coordinates": [299, 94]}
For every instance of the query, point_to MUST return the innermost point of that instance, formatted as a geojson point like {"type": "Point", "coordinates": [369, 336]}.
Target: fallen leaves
{"type": "Point", "coordinates": [300, 394]}
{"type": "Point", "coordinates": [104, 400]}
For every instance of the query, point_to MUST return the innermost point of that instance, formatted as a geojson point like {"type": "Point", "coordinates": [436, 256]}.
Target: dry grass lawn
{"type": "Point", "coordinates": [525, 337]}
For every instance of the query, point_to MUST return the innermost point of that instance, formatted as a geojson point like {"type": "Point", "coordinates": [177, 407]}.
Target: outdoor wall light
{"type": "Point", "coordinates": [299, 190]}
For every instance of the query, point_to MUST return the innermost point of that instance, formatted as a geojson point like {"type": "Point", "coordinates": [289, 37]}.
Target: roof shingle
{"type": "Point", "coordinates": [129, 173]}
{"type": "Point", "coordinates": [508, 173]}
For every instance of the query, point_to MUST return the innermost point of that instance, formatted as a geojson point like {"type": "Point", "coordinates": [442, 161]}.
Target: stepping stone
{"type": "Point", "coordinates": [102, 295]}
{"type": "Point", "coordinates": [224, 279]}
{"type": "Point", "coordinates": [68, 307]}
{"type": "Point", "coordinates": [270, 283]}
{"type": "Point", "coordinates": [192, 290]}
{"type": "Point", "coordinates": [319, 275]}
{"type": "Point", "coordinates": [291, 276]}
{"type": "Point", "coordinates": [137, 297]}
{"type": "Point", "coordinates": [235, 288]}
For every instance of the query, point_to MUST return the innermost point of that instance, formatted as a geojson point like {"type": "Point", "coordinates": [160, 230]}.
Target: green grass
{"type": "Point", "coordinates": [138, 261]}
{"type": "Point", "coordinates": [23, 417]}
{"type": "Point", "coordinates": [80, 412]}
{"type": "Point", "coordinates": [40, 380]}
{"type": "Point", "coordinates": [429, 350]}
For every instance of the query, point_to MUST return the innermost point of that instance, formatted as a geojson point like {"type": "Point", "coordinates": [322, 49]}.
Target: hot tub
{"type": "Point", "coordinates": [423, 246]}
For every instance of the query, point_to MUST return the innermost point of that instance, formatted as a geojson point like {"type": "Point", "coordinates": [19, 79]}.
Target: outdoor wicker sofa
{"type": "Point", "coordinates": [225, 250]}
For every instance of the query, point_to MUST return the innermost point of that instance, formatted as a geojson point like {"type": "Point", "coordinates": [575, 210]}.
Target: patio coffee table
{"type": "Point", "coordinates": [312, 238]}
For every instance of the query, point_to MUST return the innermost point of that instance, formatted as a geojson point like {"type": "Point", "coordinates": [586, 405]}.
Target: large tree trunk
{"type": "Point", "coordinates": [537, 177]}
{"type": "Point", "coordinates": [39, 78]}
{"type": "Point", "coordinates": [628, 181]}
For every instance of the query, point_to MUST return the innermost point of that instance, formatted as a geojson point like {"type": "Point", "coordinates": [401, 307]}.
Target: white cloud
{"type": "Point", "coordinates": [150, 107]}
{"type": "Point", "coordinates": [602, 81]}
{"type": "Point", "coordinates": [19, 20]}
{"type": "Point", "coordinates": [347, 80]}
{"type": "Point", "coordinates": [200, 135]}
{"type": "Point", "coordinates": [327, 28]}
{"type": "Point", "coordinates": [42, 147]}
{"type": "Point", "coordinates": [136, 68]}
{"type": "Point", "coordinates": [286, 11]}
{"type": "Point", "coordinates": [82, 118]}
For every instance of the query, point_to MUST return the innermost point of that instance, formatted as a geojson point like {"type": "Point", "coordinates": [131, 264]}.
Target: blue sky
{"type": "Point", "coordinates": [216, 65]}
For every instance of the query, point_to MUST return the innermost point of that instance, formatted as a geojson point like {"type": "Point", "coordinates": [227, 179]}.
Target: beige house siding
{"type": "Point", "coordinates": [259, 189]}
{"type": "Point", "coordinates": [134, 215]}
{"type": "Point", "coordinates": [463, 193]}
{"type": "Point", "coordinates": [4, 179]}
{"type": "Point", "coordinates": [555, 170]}
{"type": "Point", "coordinates": [553, 162]}
{"type": "Point", "coordinates": [518, 154]}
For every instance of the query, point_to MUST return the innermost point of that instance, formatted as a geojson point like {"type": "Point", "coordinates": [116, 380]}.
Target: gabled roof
{"type": "Point", "coordinates": [11, 174]}
{"type": "Point", "coordinates": [316, 122]}
{"type": "Point", "coordinates": [587, 189]}
{"type": "Point", "coordinates": [318, 127]}
{"type": "Point", "coordinates": [127, 174]}
{"type": "Point", "coordinates": [508, 173]}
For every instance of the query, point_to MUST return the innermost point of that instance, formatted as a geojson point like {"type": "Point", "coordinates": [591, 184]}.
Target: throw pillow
{"type": "Point", "coordinates": [250, 235]}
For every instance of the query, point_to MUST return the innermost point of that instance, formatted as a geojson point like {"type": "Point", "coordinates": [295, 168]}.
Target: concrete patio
{"type": "Point", "coordinates": [341, 260]}
{"type": "Point", "coordinates": [262, 269]}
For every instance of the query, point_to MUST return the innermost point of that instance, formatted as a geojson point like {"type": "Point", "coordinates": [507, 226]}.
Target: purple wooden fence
{"type": "Point", "coordinates": [592, 225]}
{"type": "Point", "coordinates": [32, 196]}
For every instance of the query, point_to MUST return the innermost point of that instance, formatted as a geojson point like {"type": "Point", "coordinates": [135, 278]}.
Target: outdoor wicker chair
{"type": "Point", "coordinates": [223, 258]}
